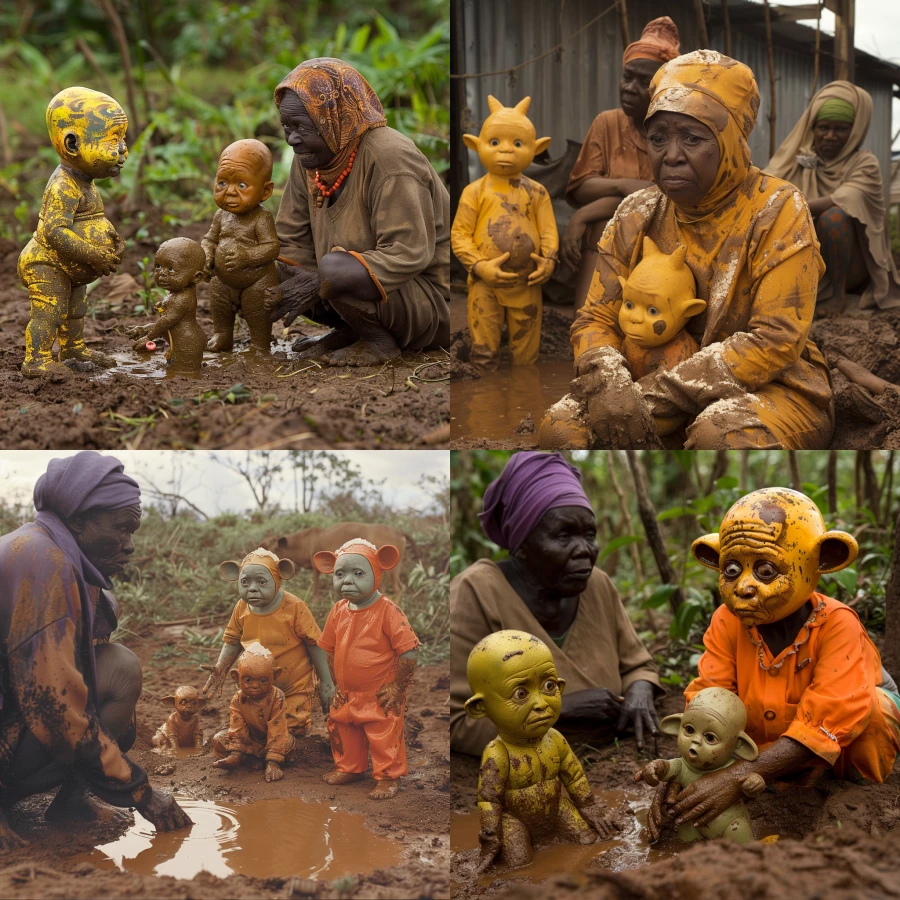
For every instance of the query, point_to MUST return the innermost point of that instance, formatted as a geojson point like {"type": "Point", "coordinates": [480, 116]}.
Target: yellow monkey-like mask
{"type": "Point", "coordinates": [507, 144]}
{"type": "Point", "coordinates": [770, 552]}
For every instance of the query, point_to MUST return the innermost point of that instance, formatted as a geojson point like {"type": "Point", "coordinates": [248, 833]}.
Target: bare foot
{"type": "Point", "coordinates": [313, 345]}
{"type": "Point", "coordinates": [384, 790]}
{"type": "Point", "coordinates": [336, 777]}
{"type": "Point", "coordinates": [220, 342]}
{"type": "Point", "coordinates": [74, 803]}
{"type": "Point", "coordinates": [232, 761]}
{"type": "Point", "coordinates": [362, 353]}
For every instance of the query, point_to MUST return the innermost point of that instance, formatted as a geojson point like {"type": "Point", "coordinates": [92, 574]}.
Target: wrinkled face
{"type": "Point", "coordinates": [98, 152]}
{"type": "Point", "coordinates": [187, 702]}
{"type": "Point", "coordinates": [105, 537]}
{"type": "Point", "coordinates": [354, 578]}
{"type": "Point", "coordinates": [634, 87]}
{"type": "Point", "coordinates": [561, 550]}
{"type": "Point", "coordinates": [684, 157]}
{"type": "Point", "coordinates": [257, 585]}
{"type": "Point", "coordinates": [506, 145]}
{"type": "Point", "coordinates": [830, 137]}
{"type": "Point", "coordinates": [240, 186]}
{"type": "Point", "coordinates": [650, 321]}
{"type": "Point", "coordinates": [704, 741]}
{"type": "Point", "coordinates": [522, 692]}
{"type": "Point", "coordinates": [301, 134]}
{"type": "Point", "coordinates": [256, 675]}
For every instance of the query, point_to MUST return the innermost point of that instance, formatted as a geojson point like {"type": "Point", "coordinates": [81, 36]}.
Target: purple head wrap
{"type": "Point", "coordinates": [76, 484]}
{"type": "Point", "coordinates": [531, 483]}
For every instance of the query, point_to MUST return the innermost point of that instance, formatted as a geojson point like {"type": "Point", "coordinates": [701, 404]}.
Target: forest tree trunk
{"type": "Point", "coordinates": [890, 654]}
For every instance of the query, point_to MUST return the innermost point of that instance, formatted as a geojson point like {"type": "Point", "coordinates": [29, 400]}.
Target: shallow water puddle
{"type": "Point", "coordinates": [628, 850]}
{"type": "Point", "coordinates": [491, 407]}
{"type": "Point", "coordinates": [264, 839]}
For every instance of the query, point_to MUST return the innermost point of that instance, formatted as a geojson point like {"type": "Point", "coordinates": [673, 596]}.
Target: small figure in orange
{"type": "Point", "coordinates": [257, 727]}
{"type": "Point", "coordinates": [372, 654]}
{"type": "Point", "coordinates": [182, 728]}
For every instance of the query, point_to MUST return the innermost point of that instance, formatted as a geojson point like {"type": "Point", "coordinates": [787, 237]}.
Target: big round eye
{"type": "Point", "coordinates": [518, 143]}
{"type": "Point", "coordinates": [653, 311]}
{"type": "Point", "coordinates": [549, 686]}
{"type": "Point", "coordinates": [520, 694]}
{"type": "Point", "coordinates": [495, 143]}
{"type": "Point", "coordinates": [732, 569]}
{"type": "Point", "coordinates": [710, 738]}
{"type": "Point", "coordinates": [629, 304]}
{"type": "Point", "coordinates": [688, 729]}
{"type": "Point", "coordinates": [765, 570]}
{"type": "Point", "coordinates": [242, 184]}
{"type": "Point", "coordinates": [263, 680]}
{"type": "Point", "coordinates": [220, 184]}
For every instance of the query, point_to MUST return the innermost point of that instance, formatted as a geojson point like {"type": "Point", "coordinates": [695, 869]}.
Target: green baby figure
{"type": "Point", "coordinates": [711, 736]}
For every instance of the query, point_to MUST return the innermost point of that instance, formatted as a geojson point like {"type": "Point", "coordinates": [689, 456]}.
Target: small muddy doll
{"type": "Point", "coordinates": [280, 622]}
{"type": "Point", "coordinates": [241, 246]}
{"type": "Point", "coordinates": [710, 736]}
{"type": "Point", "coordinates": [257, 726]}
{"type": "Point", "coordinates": [523, 771]}
{"type": "Point", "coordinates": [179, 267]}
{"type": "Point", "coordinates": [74, 243]}
{"type": "Point", "coordinates": [182, 728]}
{"type": "Point", "coordinates": [372, 654]}
{"type": "Point", "coordinates": [505, 234]}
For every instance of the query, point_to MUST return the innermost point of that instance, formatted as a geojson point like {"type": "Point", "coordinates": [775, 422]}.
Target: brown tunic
{"type": "Point", "coordinates": [601, 648]}
{"type": "Point", "coordinates": [395, 212]}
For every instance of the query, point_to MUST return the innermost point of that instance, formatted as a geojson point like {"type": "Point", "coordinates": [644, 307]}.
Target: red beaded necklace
{"type": "Point", "coordinates": [327, 192]}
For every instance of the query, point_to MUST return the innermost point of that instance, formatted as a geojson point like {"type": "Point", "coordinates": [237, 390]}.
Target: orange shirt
{"type": "Point", "coordinates": [824, 704]}
{"type": "Point", "coordinates": [366, 643]}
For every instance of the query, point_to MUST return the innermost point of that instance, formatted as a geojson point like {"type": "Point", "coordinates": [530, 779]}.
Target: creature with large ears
{"type": "Point", "coordinates": [182, 728]}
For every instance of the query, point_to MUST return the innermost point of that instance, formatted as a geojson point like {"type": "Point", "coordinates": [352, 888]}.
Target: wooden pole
{"type": "Point", "coordinates": [701, 24]}
{"type": "Point", "coordinates": [118, 30]}
{"type": "Point", "coordinates": [815, 85]}
{"type": "Point", "coordinates": [726, 21]}
{"type": "Point", "coordinates": [832, 482]}
{"type": "Point", "coordinates": [772, 101]}
{"type": "Point", "coordinates": [626, 514]}
{"type": "Point", "coordinates": [623, 22]}
{"type": "Point", "coordinates": [796, 483]}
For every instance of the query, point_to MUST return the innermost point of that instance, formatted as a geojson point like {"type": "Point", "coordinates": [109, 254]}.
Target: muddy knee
{"type": "Point", "coordinates": [119, 682]}
{"type": "Point", "coordinates": [730, 425]}
{"type": "Point", "coordinates": [564, 426]}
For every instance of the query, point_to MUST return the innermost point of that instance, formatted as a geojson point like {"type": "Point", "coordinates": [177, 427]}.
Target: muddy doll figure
{"type": "Point", "coordinates": [182, 728]}
{"type": "Point", "coordinates": [179, 268]}
{"type": "Point", "coordinates": [372, 654]}
{"type": "Point", "coordinates": [505, 234]}
{"type": "Point", "coordinates": [257, 726]}
{"type": "Point", "coordinates": [710, 736]}
{"type": "Point", "coordinates": [280, 622]}
{"type": "Point", "coordinates": [523, 771]}
{"type": "Point", "coordinates": [74, 243]}
{"type": "Point", "coordinates": [241, 246]}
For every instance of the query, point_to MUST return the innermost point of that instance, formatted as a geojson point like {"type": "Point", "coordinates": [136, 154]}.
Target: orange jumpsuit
{"type": "Point", "coordinates": [824, 696]}
{"type": "Point", "coordinates": [256, 727]}
{"type": "Point", "coordinates": [367, 644]}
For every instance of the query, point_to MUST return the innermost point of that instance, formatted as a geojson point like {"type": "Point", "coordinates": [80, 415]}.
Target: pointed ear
{"type": "Point", "coordinates": [706, 550]}
{"type": "Point", "coordinates": [541, 144]}
{"type": "Point", "coordinates": [230, 570]}
{"type": "Point", "coordinates": [169, 701]}
{"type": "Point", "coordinates": [522, 106]}
{"type": "Point", "coordinates": [836, 550]}
{"type": "Point", "coordinates": [746, 747]}
{"type": "Point", "coordinates": [671, 724]}
{"type": "Point", "coordinates": [286, 568]}
{"type": "Point", "coordinates": [676, 260]}
{"type": "Point", "coordinates": [324, 561]}
{"type": "Point", "coordinates": [471, 141]}
{"type": "Point", "coordinates": [475, 707]}
{"type": "Point", "coordinates": [562, 684]}
{"type": "Point", "coordinates": [235, 677]}
{"type": "Point", "coordinates": [622, 282]}
{"type": "Point", "coordinates": [650, 249]}
{"type": "Point", "coordinates": [694, 307]}
{"type": "Point", "coordinates": [494, 104]}
{"type": "Point", "coordinates": [277, 672]}
{"type": "Point", "coordinates": [388, 556]}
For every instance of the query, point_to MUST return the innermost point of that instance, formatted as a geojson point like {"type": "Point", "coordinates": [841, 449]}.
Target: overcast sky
{"type": "Point", "coordinates": [214, 488]}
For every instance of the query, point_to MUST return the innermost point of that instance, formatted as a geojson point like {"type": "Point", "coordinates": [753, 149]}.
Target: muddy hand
{"type": "Point", "coordinates": [215, 681]}
{"type": "Point", "coordinates": [298, 295]}
{"type": "Point", "coordinates": [600, 820]}
{"type": "Point", "coordinates": [543, 271]}
{"type": "Point", "coordinates": [163, 812]}
{"type": "Point", "coordinates": [652, 772]}
{"type": "Point", "coordinates": [390, 698]}
{"type": "Point", "coordinates": [339, 699]}
{"type": "Point", "coordinates": [659, 815]}
{"type": "Point", "coordinates": [489, 851]}
{"type": "Point", "coordinates": [711, 794]}
{"type": "Point", "coordinates": [490, 271]}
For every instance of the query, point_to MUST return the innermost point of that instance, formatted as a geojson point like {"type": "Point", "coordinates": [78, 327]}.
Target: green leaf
{"type": "Point", "coordinates": [674, 513]}
{"type": "Point", "coordinates": [727, 482]}
{"type": "Point", "coordinates": [660, 596]}
{"type": "Point", "coordinates": [616, 543]}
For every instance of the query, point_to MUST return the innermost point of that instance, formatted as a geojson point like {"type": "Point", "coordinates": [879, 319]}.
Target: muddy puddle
{"type": "Point", "coordinates": [628, 850]}
{"type": "Point", "coordinates": [263, 839]}
{"type": "Point", "coordinates": [491, 407]}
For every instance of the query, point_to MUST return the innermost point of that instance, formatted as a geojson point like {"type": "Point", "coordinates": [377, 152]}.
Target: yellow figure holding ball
{"type": "Point", "coordinates": [74, 243]}
{"type": "Point", "coordinates": [505, 235]}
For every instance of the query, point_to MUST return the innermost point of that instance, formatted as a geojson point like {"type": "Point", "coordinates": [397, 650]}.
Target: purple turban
{"type": "Point", "coordinates": [531, 483]}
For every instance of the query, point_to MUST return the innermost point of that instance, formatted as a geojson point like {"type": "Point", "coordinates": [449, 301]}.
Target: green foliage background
{"type": "Point", "coordinates": [204, 74]}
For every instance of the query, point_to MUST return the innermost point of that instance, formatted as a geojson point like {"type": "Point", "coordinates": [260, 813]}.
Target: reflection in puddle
{"type": "Point", "coordinates": [491, 407]}
{"type": "Point", "coordinates": [264, 839]}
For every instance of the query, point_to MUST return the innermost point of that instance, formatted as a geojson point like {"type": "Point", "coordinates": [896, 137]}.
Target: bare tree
{"type": "Point", "coordinates": [173, 497]}
{"type": "Point", "coordinates": [259, 469]}
{"type": "Point", "coordinates": [313, 470]}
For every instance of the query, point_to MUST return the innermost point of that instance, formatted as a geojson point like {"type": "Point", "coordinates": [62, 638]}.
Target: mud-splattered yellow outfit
{"type": "Point", "coordinates": [55, 265]}
{"type": "Point", "coordinates": [499, 215]}
{"type": "Point", "coordinates": [285, 633]}
{"type": "Point", "coordinates": [757, 381]}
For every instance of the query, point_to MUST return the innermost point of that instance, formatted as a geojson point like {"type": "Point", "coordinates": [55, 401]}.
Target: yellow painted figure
{"type": "Point", "coordinates": [74, 242]}
{"type": "Point", "coordinates": [505, 235]}
{"type": "Point", "coordinates": [523, 771]}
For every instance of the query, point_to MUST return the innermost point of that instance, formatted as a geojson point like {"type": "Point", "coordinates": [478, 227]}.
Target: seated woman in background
{"type": "Point", "coordinates": [843, 186]}
{"type": "Point", "coordinates": [549, 587]}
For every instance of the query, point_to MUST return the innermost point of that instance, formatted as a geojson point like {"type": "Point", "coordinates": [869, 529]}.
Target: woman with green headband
{"type": "Point", "coordinates": [845, 192]}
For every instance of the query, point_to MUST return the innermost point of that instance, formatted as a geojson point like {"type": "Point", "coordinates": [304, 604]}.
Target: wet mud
{"type": "Point", "coordinates": [239, 400]}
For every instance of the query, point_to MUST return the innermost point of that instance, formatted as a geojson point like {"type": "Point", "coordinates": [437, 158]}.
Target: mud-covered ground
{"type": "Point", "coordinates": [283, 402]}
{"type": "Point", "coordinates": [417, 818]}
{"type": "Point", "coordinates": [840, 841]}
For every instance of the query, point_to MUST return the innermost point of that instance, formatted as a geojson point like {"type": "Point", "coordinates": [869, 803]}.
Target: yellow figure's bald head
{"type": "Point", "coordinates": [770, 552]}
{"type": "Point", "coordinates": [507, 144]}
{"type": "Point", "coordinates": [514, 684]}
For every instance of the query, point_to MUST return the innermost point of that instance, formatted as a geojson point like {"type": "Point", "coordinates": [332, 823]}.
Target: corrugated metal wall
{"type": "Point", "coordinates": [569, 90]}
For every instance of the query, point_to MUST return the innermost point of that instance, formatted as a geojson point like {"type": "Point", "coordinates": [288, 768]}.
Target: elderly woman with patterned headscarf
{"type": "Point", "coordinates": [365, 217]}
{"type": "Point", "coordinates": [757, 381]}
{"type": "Point", "coordinates": [549, 587]}
{"type": "Point", "coordinates": [613, 161]}
{"type": "Point", "coordinates": [68, 694]}
{"type": "Point", "coordinates": [843, 187]}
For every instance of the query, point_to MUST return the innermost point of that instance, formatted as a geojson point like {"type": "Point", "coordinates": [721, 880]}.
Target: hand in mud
{"type": "Point", "coordinates": [491, 273]}
{"type": "Point", "coordinates": [273, 771]}
{"type": "Point", "coordinates": [660, 814]}
{"type": "Point", "coordinates": [600, 820]}
{"type": "Point", "coordinates": [570, 249]}
{"type": "Point", "coordinates": [490, 847]}
{"type": "Point", "coordinates": [711, 794]}
{"type": "Point", "coordinates": [295, 296]}
{"type": "Point", "coordinates": [652, 773]}
{"type": "Point", "coordinates": [326, 695]}
{"type": "Point", "coordinates": [140, 346]}
{"type": "Point", "coordinates": [391, 697]}
{"type": "Point", "coordinates": [638, 709]}
{"type": "Point", "coordinates": [216, 680]}
{"type": "Point", "coordinates": [543, 271]}
{"type": "Point", "coordinates": [163, 812]}
{"type": "Point", "coordinates": [138, 331]}
{"type": "Point", "coordinates": [598, 704]}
